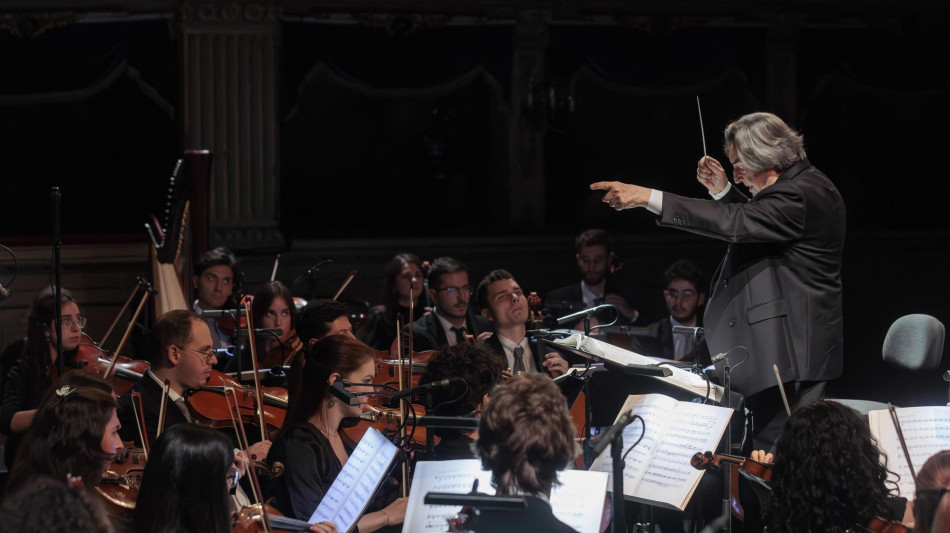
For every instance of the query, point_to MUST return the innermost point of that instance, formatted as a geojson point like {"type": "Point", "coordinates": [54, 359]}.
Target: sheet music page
{"type": "Point", "coordinates": [926, 431]}
{"type": "Point", "coordinates": [356, 484]}
{"type": "Point", "coordinates": [615, 354]}
{"type": "Point", "coordinates": [656, 410]}
{"type": "Point", "coordinates": [658, 468]}
{"type": "Point", "coordinates": [578, 501]}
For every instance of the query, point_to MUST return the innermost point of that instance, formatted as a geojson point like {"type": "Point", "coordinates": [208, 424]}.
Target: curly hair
{"type": "Point", "coordinates": [66, 434]}
{"type": "Point", "coordinates": [48, 505]}
{"type": "Point", "coordinates": [828, 475]}
{"type": "Point", "coordinates": [478, 366]}
{"type": "Point", "coordinates": [526, 435]}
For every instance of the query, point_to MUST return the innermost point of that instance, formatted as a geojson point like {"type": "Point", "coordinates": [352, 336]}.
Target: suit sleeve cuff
{"type": "Point", "coordinates": [725, 190]}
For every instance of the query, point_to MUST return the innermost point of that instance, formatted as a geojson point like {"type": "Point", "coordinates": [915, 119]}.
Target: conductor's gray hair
{"type": "Point", "coordinates": [763, 140]}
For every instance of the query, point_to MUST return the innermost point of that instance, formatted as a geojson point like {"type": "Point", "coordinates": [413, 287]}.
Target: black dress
{"type": "Point", "coordinates": [537, 517]}
{"type": "Point", "coordinates": [310, 467]}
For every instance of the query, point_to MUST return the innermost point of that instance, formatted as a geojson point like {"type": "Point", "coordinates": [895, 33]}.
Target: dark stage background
{"type": "Point", "coordinates": [387, 136]}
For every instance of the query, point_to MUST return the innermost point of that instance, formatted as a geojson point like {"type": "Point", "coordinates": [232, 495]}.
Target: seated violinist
{"type": "Point", "coordinates": [322, 318]}
{"type": "Point", "coordinates": [402, 284]}
{"type": "Point", "coordinates": [272, 308]}
{"type": "Point", "coordinates": [29, 365]}
{"type": "Point", "coordinates": [481, 370]}
{"type": "Point", "coordinates": [453, 317]}
{"type": "Point", "coordinates": [186, 483]}
{"type": "Point", "coordinates": [828, 475]}
{"type": "Point", "coordinates": [74, 435]}
{"type": "Point", "coordinates": [183, 355]}
{"type": "Point", "coordinates": [525, 437]}
{"type": "Point", "coordinates": [503, 303]}
{"type": "Point", "coordinates": [310, 444]}
{"type": "Point", "coordinates": [50, 505]}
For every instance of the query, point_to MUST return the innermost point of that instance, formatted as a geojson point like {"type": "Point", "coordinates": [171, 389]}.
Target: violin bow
{"type": "Point", "coordinates": [161, 409]}
{"type": "Point", "coordinates": [128, 330]}
{"type": "Point", "coordinates": [233, 410]}
{"type": "Point", "coordinates": [400, 324]}
{"type": "Point", "coordinates": [273, 273]}
{"type": "Point", "coordinates": [257, 376]}
{"type": "Point", "coordinates": [781, 389]}
{"type": "Point", "coordinates": [900, 437]}
{"type": "Point", "coordinates": [349, 278]}
{"type": "Point", "coordinates": [139, 415]}
{"type": "Point", "coordinates": [121, 311]}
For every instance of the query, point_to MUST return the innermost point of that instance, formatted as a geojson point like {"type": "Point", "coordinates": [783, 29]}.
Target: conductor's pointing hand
{"type": "Point", "coordinates": [622, 195]}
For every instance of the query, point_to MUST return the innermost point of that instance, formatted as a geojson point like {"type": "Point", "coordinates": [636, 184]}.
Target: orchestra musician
{"type": "Point", "coordinates": [777, 293]}
{"type": "Point", "coordinates": [310, 445]}
{"type": "Point", "coordinates": [322, 318]}
{"type": "Point", "coordinates": [48, 505]}
{"type": "Point", "coordinates": [402, 285]}
{"type": "Point", "coordinates": [525, 437]}
{"type": "Point", "coordinates": [452, 317]}
{"type": "Point", "coordinates": [185, 486]}
{"type": "Point", "coordinates": [597, 262]}
{"type": "Point", "coordinates": [213, 280]}
{"type": "Point", "coordinates": [272, 308]}
{"type": "Point", "coordinates": [184, 356]}
{"type": "Point", "coordinates": [74, 433]}
{"type": "Point", "coordinates": [503, 304]}
{"type": "Point", "coordinates": [482, 371]}
{"type": "Point", "coordinates": [828, 475]}
{"type": "Point", "coordinates": [30, 364]}
{"type": "Point", "coordinates": [933, 486]}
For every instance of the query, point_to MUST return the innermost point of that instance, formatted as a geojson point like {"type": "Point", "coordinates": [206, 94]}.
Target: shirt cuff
{"type": "Point", "coordinates": [723, 192]}
{"type": "Point", "coordinates": [655, 203]}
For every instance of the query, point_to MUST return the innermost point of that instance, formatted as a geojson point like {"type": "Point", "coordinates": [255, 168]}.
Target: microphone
{"type": "Point", "coordinates": [220, 313]}
{"type": "Point", "coordinates": [718, 357]}
{"type": "Point", "coordinates": [427, 386]}
{"type": "Point", "coordinates": [600, 442]}
{"type": "Point", "coordinates": [600, 312]}
{"type": "Point", "coordinates": [264, 331]}
{"type": "Point", "coordinates": [4, 293]}
{"type": "Point", "coordinates": [688, 330]}
{"type": "Point", "coordinates": [310, 271]}
{"type": "Point", "coordinates": [345, 396]}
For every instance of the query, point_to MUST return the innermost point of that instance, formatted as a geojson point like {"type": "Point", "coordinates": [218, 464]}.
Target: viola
{"type": "Point", "coordinates": [92, 359]}
{"type": "Point", "coordinates": [209, 406]}
{"type": "Point", "coordinates": [250, 520]}
{"type": "Point", "coordinates": [120, 483]}
{"type": "Point", "coordinates": [882, 525]}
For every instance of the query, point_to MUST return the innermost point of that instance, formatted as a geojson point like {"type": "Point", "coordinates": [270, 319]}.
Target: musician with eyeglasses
{"type": "Point", "coordinates": [452, 319]}
{"type": "Point", "coordinates": [685, 295]}
{"type": "Point", "coordinates": [29, 365]}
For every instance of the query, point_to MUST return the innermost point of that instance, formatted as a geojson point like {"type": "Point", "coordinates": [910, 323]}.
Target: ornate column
{"type": "Point", "coordinates": [229, 105]}
{"type": "Point", "coordinates": [526, 207]}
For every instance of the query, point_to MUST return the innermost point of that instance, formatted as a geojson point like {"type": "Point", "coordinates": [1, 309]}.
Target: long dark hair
{"type": "Point", "coordinates": [828, 475]}
{"type": "Point", "coordinates": [393, 269]}
{"type": "Point", "coordinates": [335, 354]}
{"type": "Point", "coordinates": [184, 486]}
{"type": "Point", "coordinates": [66, 434]}
{"type": "Point", "coordinates": [36, 356]}
{"type": "Point", "coordinates": [265, 296]}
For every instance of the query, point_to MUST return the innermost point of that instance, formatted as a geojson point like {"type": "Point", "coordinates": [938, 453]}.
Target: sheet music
{"type": "Point", "coordinates": [356, 484]}
{"type": "Point", "coordinates": [578, 501]}
{"type": "Point", "coordinates": [615, 354]}
{"type": "Point", "coordinates": [658, 469]}
{"type": "Point", "coordinates": [926, 431]}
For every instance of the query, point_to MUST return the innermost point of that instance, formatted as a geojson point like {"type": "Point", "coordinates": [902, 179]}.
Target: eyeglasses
{"type": "Point", "coordinates": [674, 294]}
{"type": "Point", "coordinates": [209, 355]}
{"type": "Point", "coordinates": [233, 477]}
{"type": "Point", "coordinates": [455, 291]}
{"type": "Point", "coordinates": [69, 321]}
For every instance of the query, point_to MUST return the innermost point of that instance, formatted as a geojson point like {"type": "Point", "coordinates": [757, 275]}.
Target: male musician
{"type": "Point", "coordinates": [525, 437]}
{"type": "Point", "coordinates": [504, 305]}
{"type": "Point", "coordinates": [450, 292]}
{"type": "Point", "coordinates": [322, 318]}
{"type": "Point", "coordinates": [596, 261]}
{"type": "Point", "coordinates": [215, 272]}
{"type": "Point", "coordinates": [184, 357]}
{"type": "Point", "coordinates": [777, 295]}
{"type": "Point", "coordinates": [684, 295]}
{"type": "Point", "coordinates": [481, 369]}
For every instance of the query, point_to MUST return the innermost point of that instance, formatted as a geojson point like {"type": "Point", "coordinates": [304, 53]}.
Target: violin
{"type": "Point", "coordinates": [92, 359]}
{"type": "Point", "coordinates": [882, 525]}
{"type": "Point", "coordinates": [283, 353]}
{"type": "Point", "coordinates": [120, 483]}
{"type": "Point", "coordinates": [209, 406]}
{"type": "Point", "coordinates": [750, 467]}
{"type": "Point", "coordinates": [250, 519]}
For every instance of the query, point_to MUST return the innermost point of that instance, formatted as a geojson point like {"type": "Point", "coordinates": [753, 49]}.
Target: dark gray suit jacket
{"type": "Point", "coordinates": [778, 290]}
{"type": "Point", "coordinates": [428, 334]}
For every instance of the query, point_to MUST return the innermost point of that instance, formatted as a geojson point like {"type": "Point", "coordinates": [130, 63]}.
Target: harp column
{"type": "Point", "coordinates": [229, 105]}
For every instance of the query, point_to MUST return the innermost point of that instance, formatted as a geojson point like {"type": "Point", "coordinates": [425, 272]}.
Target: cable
{"type": "Point", "coordinates": [642, 433]}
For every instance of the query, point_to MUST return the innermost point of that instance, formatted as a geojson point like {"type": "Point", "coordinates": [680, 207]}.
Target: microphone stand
{"type": "Point", "coordinates": [727, 472]}
{"type": "Point", "coordinates": [55, 197]}
{"type": "Point", "coordinates": [618, 518]}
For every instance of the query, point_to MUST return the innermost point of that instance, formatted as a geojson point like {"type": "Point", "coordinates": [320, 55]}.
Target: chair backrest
{"type": "Point", "coordinates": [914, 342]}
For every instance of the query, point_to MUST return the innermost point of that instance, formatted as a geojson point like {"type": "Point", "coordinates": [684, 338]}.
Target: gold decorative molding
{"type": "Point", "coordinates": [32, 25]}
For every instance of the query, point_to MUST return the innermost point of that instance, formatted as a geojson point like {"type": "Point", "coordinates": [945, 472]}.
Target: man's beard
{"type": "Point", "coordinates": [594, 278]}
